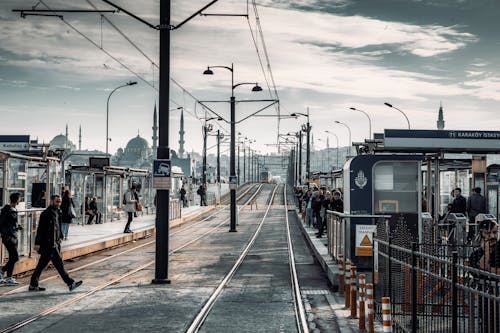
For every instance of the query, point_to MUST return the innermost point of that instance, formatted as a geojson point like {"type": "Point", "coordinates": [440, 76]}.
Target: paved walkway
{"type": "Point", "coordinates": [79, 234]}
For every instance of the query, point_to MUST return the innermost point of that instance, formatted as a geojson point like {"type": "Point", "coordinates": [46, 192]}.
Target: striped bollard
{"type": "Point", "coordinates": [347, 287]}
{"type": "Point", "coordinates": [369, 303]}
{"type": "Point", "coordinates": [362, 282]}
{"type": "Point", "coordinates": [341, 274]}
{"type": "Point", "coordinates": [386, 315]}
{"type": "Point", "coordinates": [353, 304]}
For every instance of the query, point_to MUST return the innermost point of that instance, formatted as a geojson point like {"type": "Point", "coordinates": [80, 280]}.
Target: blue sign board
{"type": "Point", "coordinates": [162, 170]}
{"type": "Point", "coordinates": [14, 142]}
{"type": "Point", "coordinates": [441, 139]}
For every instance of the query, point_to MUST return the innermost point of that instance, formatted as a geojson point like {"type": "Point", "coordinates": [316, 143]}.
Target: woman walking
{"type": "Point", "coordinates": [68, 213]}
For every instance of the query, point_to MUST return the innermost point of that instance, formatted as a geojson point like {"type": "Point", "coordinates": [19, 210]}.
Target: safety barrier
{"type": "Point", "coordinates": [362, 286]}
{"type": "Point", "coordinates": [353, 302]}
{"type": "Point", "coordinates": [386, 314]}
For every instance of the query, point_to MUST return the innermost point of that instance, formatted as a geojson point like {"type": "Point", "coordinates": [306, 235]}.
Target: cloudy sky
{"type": "Point", "coordinates": [327, 55]}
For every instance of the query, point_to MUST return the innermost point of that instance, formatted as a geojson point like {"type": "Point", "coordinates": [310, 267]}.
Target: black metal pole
{"type": "Point", "coordinates": [454, 293]}
{"type": "Point", "coordinates": [300, 157]}
{"type": "Point", "coordinates": [238, 164]}
{"type": "Point", "coordinates": [163, 196]}
{"type": "Point", "coordinates": [218, 156]}
{"type": "Point", "coordinates": [204, 167]}
{"type": "Point", "coordinates": [244, 164]}
{"type": "Point", "coordinates": [232, 166]}
{"type": "Point", "coordinates": [308, 153]}
{"type": "Point", "coordinates": [414, 305]}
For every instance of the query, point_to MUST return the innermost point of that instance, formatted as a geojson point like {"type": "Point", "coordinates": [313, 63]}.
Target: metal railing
{"type": "Point", "coordinates": [437, 288]}
{"type": "Point", "coordinates": [339, 231]}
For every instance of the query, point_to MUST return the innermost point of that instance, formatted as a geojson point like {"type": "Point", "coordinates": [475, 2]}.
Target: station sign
{"type": "Point", "coordinates": [99, 162]}
{"type": "Point", "coordinates": [14, 142]}
{"type": "Point", "coordinates": [441, 139]}
{"type": "Point", "coordinates": [162, 172]}
{"type": "Point", "coordinates": [364, 240]}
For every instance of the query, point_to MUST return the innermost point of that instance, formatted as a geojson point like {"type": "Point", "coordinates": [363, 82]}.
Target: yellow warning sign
{"type": "Point", "coordinates": [366, 241]}
{"type": "Point", "coordinates": [364, 238]}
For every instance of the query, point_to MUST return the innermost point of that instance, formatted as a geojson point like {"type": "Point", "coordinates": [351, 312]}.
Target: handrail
{"type": "Point", "coordinates": [344, 215]}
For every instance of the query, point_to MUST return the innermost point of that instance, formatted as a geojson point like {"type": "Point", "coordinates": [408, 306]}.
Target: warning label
{"type": "Point", "coordinates": [364, 239]}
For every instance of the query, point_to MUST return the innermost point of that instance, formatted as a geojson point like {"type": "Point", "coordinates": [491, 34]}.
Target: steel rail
{"type": "Point", "coordinates": [62, 305]}
{"type": "Point", "coordinates": [300, 313]}
{"type": "Point", "coordinates": [76, 269]}
{"type": "Point", "coordinates": [209, 304]}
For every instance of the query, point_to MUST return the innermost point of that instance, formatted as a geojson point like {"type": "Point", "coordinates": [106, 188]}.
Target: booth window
{"type": "Point", "coordinates": [395, 189]}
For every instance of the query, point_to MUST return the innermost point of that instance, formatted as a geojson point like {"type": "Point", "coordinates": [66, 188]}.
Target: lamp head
{"type": "Point", "coordinates": [256, 88]}
{"type": "Point", "coordinates": [336, 121]}
{"type": "Point", "coordinates": [208, 71]}
{"type": "Point", "coordinates": [131, 83]}
{"type": "Point", "coordinates": [353, 109]}
{"type": "Point", "coordinates": [388, 104]}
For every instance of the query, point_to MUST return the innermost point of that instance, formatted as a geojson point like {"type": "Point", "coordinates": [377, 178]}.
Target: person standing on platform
{"type": "Point", "coordinates": [68, 213]}
{"type": "Point", "coordinates": [202, 193]}
{"type": "Point", "coordinates": [337, 205]}
{"type": "Point", "coordinates": [8, 229]}
{"type": "Point", "coordinates": [95, 211]}
{"type": "Point", "coordinates": [48, 245]}
{"type": "Point", "coordinates": [182, 195]}
{"type": "Point", "coordinates": [459, 204]}
{"type": "Point", "coordinates": [130, 202]}
{"type": "Point", "coordinates": [476, 204]}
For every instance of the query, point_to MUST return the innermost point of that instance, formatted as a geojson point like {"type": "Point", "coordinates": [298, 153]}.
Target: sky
{"type": "Point", "coordinates": [325, 55]}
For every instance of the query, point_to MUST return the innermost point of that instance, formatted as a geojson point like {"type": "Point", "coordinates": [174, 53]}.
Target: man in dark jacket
{"type": "Point", "coordinates": [337, 205]}
{"type": "Point", "coordinates": [459, 204]}
{"type": "Point", "coordinates": [182, 194]}
{"type": "Point", "coordinates": [8, 230]}
{"type": "Point", "coordinates": [48, 244]}
{"type": "Point", "coordinates": [476, 204]}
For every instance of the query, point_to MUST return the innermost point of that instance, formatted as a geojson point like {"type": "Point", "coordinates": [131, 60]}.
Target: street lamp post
{"type": "Point", "coordinates": [307, 129]}
{"type": "Point", "coordinates": [404, 114]}
{"type": "Point", "coordinates": [369, 121]}
{"type": "Point", "coordinates": [232, 164]}
{"type": "Point", "coordinates": [337, 140]}
{"type": "Point", "coordinates": [131, 83]}
{"type": "Point", "coordinates": [349, 130]}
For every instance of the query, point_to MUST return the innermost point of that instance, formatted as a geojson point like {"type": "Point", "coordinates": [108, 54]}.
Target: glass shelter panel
{"type": "Point", "coordinates": [396, 187]}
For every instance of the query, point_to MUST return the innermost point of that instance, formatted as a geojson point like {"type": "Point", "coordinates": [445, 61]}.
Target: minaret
{"type": "Point", "coordinates": [440, 121]}
{"type": "Point", "coordinates": [181, 135]}
{"type": "Point", "coordinates": [312, 141]}
{"type": "Point", "coordinates": [80, 137]}
{"type": "Point", "coordinates": [155, 132]}
{"type": "Point", "coordinates": [66, 141]}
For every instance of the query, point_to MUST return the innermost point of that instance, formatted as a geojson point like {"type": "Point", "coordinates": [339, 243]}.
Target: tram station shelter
{"type": "Point", "coordinates": [412, 172]}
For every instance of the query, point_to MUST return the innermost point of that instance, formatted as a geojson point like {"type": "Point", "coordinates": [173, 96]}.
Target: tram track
{"type": "Point", "coordinates": [61, 305]}
{"type": "Point", "coordinates": [183, 229]}
{"type": "Point", "coordinates": [300, 316]}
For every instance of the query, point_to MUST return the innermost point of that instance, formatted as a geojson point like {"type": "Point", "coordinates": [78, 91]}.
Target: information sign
{"type": "Point", "coordinates": [161, 174]}
{"type": "Point", "coordinates": [364, 240]}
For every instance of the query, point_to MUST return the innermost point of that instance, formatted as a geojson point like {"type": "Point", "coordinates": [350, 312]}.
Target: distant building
{"type": "Point", "coordinates": [440, 121]}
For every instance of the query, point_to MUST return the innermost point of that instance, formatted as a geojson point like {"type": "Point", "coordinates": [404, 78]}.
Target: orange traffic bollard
{"type": "Point", "coordinates": [369, 302]}
{"type": "Point", "coordinates": [347, 283]}
{"type": "Point", "coordinates": [386, 315]}
{"type": "Point", "coordinates": [362, 281]}
{"type": "Point", "coordinates": [353, 304]}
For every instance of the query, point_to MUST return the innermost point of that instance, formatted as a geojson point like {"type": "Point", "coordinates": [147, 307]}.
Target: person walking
{"type": "Point", "coordinates": [48, 245]}
{"type": "Point", "coordinates": [130, 201]}
{"type": "Point", "coordinates": [8, 229]}
{"type": "Point", "coordinates": [476, 204]}
{"type": "Point", "coordinates": [325, 205]}
{"type": "Point", "coordinates": [459, 204]}
{"type": "Point", "coordinates": [68, 213]}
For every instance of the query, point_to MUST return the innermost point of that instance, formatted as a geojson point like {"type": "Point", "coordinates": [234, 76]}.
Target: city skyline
{"type": "Point", "coordinates": [326, 55]}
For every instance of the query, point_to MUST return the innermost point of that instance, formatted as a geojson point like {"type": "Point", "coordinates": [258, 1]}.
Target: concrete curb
{"type": "Point", "coordinates": [27, 264]}
{"type": "Point", "coordinates": [329, 266]}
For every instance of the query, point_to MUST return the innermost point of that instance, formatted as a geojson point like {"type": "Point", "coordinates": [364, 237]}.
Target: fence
{"type": "Point", "coordinates": [437, 287]}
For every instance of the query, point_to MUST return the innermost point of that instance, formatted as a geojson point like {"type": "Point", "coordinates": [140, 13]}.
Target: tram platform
{"type": "Point", "coordinates": [87, 239]}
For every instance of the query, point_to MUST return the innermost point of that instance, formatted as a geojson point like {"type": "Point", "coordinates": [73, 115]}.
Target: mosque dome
{"type": "Point", "coordinates": [59, 141]}
{"type": "Point", "coordinates": [136, 148]}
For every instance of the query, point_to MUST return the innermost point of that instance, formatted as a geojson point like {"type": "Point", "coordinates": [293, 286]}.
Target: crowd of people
{"type": "Point", "coordinates": [314, 202]}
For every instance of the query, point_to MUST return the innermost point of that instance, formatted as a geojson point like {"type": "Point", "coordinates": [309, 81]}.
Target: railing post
{"type": "Point", "coordinates": [414, 324]}
{"type": "Point", "coordinates": [347, 290]}
{"type": "Point", "coordinates": [389, 266]}
{"type": "Point", "coordinates": [454, 293]}
{"type": "Point", "coordinates": [341, 274]}
{"type": "Point", "coordinates": [369, 301]}
{"type": "Point", "coordinates": [362, 282]}
{"type": "Point", "coordinates": [353, 292]}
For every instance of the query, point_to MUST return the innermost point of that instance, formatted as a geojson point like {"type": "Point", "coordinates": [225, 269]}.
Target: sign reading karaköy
{"type": "Point", "coordinates": [428, 139]}
{"type": "Point", "coordinates": [14, 142]}
{"type": "Point", "coordinates": [364, 240]}
{"type": "Point", "coordinates": [161, 174]}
